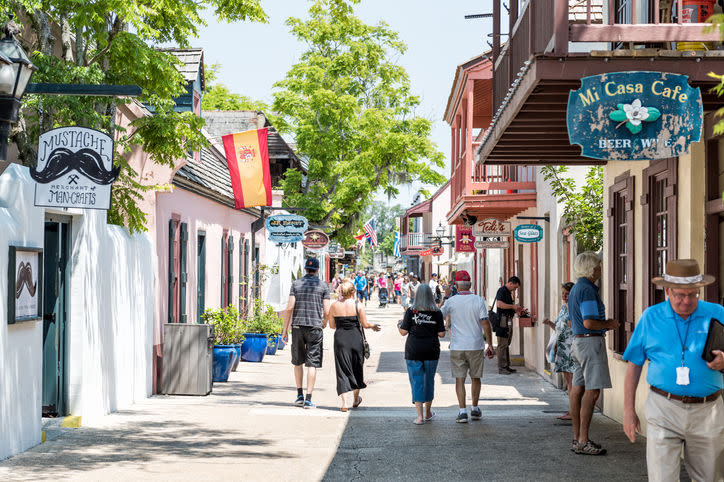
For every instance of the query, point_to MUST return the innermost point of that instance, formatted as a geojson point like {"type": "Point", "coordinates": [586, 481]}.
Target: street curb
{"type": "Point", "coordinates": [72, 421]}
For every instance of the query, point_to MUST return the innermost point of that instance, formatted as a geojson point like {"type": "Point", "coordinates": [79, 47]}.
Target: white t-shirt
{"type": "Point", "coordinates": [433, 285]}
{"type": "Point", "coordinates": [465, 312]}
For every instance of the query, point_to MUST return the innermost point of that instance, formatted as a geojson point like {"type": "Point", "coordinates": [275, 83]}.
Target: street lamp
{"type": "Point", "coordinates": [440, 231]}
{"type": "Point", "coordinates": [15, 72]}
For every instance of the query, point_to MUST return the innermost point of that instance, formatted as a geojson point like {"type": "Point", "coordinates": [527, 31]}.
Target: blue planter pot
{"type": "Point", "coordinates": [280, 343]}
{"type": "Point", "coordinates": [254, 347]}
{"type": "Point", "coordinates": [237, 356]}
{"type": "Point", "coordinates": [223, 360]}
{"type": "Point", "coordinates": [272, 343]}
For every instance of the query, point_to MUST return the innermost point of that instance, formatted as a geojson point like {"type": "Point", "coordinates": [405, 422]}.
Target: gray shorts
{"type": "Point", "coordinates": [592, 370]}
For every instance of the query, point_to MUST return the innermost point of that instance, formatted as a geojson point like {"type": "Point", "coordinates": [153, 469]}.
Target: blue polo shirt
{"type": "Point", "coordinates": [585, 304]}
{"type": "Point", "coordinates": [655, 338]}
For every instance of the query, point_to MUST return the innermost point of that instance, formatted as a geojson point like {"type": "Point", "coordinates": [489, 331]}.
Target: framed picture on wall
{"type": "Point", "coordinates": [25, 284]}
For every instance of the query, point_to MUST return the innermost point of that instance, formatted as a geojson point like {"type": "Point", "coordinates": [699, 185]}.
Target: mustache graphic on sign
{"type": "Point", "coordinates": [24, 278]}
{"type": "Point", "coordinates": [86, 161]}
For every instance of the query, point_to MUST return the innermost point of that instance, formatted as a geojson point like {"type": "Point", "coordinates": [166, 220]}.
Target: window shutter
{"type": "Point", "coordinates": [230, 269]}
{"type": "Point", "coordinates": [245, 287]}
{"type": "Point", "coordinates": [223, 267]}
{"type": "Point", "coordinates": [241, 273]}
{"type": "Point", "coordinates": [183, 275]}
{"type": "Point", "coordinates": [171, 271]}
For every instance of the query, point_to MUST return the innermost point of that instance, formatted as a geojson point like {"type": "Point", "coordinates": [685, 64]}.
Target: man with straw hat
{"type": "Point", "coordinates": [684, 409]}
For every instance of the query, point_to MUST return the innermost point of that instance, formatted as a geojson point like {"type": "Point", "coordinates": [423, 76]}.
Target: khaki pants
{"type": "Point", "coordinates": [502, 351]}
{"type": "Point", "coordinates": [695, 428]}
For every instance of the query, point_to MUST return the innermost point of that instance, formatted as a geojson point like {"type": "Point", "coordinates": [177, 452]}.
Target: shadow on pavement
{"type": "Point", "coordinates": [137, 443]}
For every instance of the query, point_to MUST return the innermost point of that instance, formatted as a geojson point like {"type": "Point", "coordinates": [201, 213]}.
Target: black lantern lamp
{"type": "Point", "coordinates": [440, 231]}
{"type": "Point", "coordinates": [15, 72]}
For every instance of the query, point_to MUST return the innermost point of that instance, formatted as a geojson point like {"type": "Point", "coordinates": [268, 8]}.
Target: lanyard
{"type": "Point", "coordinates": [686, 337]}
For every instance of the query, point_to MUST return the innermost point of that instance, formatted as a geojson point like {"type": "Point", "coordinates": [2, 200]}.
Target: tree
{"type": "Point", "coordinates": [385, 223]}
{"type": "Point", "coordinates": [582, 210]}
{"type": "Point", "coordinates": [110, 42]}
{"type": "Point", "coordinates": [352, 113]}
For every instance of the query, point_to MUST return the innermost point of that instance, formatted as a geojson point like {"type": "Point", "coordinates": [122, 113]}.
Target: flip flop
{"type": "Point", "coordinates": [357, 402]}
{"type": "Point", "coordinates": [565, 416]}
{"type": "Point", "coordinates": [432, 415]}
{"type": "Point", "coordinates": [343, 409]}
{"type": "Point", "coordinates": [418, 422]}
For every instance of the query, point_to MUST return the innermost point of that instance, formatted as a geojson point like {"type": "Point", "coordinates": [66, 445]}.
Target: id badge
{"type": "Point", "coordinates": [682, 375]}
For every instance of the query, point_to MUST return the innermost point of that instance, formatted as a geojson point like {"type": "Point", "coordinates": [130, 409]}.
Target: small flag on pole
{"type": "Point", "coordinates": [370, 232]}
{"type": "Point", "coordinates": [396, 248]}
{"type": "Point", "coordinates": [247, 155]}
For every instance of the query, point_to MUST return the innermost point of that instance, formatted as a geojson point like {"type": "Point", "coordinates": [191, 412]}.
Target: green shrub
{"type": "Point", "coordinates": [227, 323]}
{"type": "Point", "coordinates": [264, 319]}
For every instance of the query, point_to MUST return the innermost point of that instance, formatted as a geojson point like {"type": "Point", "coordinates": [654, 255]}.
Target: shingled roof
{"type": "Point", "coordinates": [192, 61]}
{"type": "Point", "coordinates": [209, 178]}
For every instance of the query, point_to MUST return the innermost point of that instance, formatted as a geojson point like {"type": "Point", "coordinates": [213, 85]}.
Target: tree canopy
{"type": "Point", "coordinates": [582, 209]}
{"type": "Point", "coordinates": [352, 113]}
{"type": "Point", "coordinates": [111, 42]}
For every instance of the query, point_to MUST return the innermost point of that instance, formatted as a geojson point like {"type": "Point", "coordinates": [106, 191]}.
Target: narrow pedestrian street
{"type": "Point", "coordinates": [248, 429]}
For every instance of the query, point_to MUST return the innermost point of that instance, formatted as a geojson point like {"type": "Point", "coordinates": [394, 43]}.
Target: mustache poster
{"type": "Point", "coordinates": [75, 168]}
{"type": "Point", "coordinates": [26, 284]}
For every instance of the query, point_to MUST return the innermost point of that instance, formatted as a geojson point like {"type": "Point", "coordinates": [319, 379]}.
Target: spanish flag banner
{"type": "Point", "coordinates": [247, 154]}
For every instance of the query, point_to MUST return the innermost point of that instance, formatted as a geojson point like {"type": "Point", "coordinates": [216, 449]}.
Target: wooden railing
{"type": "Point", "coordinates": [503, 179]}
{"type": "Point", "coordinates": [415, 241]}
{"type": "Point", "coordinates": [543, 26]}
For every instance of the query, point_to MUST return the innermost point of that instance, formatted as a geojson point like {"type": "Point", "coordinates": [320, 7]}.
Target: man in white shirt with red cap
{"type": "Point", "coordinates": [467, 317]}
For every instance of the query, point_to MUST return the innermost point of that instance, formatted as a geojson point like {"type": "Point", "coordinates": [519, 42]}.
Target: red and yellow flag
{"type": "Point", "coordinates": [247, 154]}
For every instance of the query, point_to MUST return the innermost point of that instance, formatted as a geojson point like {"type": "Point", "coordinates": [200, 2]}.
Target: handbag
{"type": "Point", "coordinates": [365, 345]}
{"type": "Point", "coordinates": [551, 348]}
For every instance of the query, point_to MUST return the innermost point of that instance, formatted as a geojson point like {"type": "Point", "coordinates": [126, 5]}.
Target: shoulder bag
{"type": "Point", "coordinates": [365, 345]}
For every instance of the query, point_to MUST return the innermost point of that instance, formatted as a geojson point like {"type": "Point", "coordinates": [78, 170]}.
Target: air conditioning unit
{"type": "Point", "coordinates": [188, 355]}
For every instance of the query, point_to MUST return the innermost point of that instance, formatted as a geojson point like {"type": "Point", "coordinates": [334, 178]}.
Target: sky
{"type": "Point", "coordinates": [254, 56]}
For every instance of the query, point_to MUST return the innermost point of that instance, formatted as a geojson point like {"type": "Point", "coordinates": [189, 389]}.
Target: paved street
{"type": "Point", "coordinates": [249, 430]}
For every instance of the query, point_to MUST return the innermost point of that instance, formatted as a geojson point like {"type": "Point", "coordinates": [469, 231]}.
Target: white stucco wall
{"type": "Point", "coordinates": [110, 329]}
{"type": "Point", "coordinates": [289, 261]}
{"type": "Point", "coordinates": [110, 317]}
{"type": "Point", "coordinates": [21, 345]}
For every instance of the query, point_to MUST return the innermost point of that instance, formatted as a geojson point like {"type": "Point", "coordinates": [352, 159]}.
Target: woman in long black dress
{"type": "Point", "coordinates": [348, 318]}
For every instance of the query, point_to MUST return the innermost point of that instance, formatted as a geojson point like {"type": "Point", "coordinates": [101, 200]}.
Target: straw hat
{"type": "Point", "coordinates": [683, 273]}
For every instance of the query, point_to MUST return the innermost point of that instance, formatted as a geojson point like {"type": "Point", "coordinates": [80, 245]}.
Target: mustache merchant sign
{"type": "Point", "coordinates": [75, 169]}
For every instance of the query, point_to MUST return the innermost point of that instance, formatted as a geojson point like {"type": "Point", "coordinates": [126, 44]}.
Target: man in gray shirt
{"type": "Point", "coordinates": [307, 312]}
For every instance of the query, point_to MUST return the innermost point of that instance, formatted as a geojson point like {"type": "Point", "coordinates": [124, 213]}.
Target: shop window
{"type": "Point", "coordinates": [660, 225]}
{"type": "Point", "coordinates": [620, 259]}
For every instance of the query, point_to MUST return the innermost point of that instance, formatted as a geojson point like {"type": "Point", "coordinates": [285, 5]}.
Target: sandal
{"type": "Point", "coordinates": [432, 415]}
{"type": "Point", "coordinates": [357, 402]}
{"type": "Point", "coordinates": [574, 446]}
{"type": "Point", "coordinates": [565, 416]}
{"type": "Point", "coordinates": [343, 409]}
{"type": "Point", "coordinates": [590, 449]}
{"type": "Point", "coordinates": [418, 422]}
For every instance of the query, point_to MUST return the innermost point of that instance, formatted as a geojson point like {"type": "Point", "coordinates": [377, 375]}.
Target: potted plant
{"type": "Point", "coordinates": [525, 320]}
{"type": "Point", "coordinates": [276, 324]}
{"type": "Point", "coordinates": [227, 332]}
{"type": "Point", "coordinates": [258, 327]}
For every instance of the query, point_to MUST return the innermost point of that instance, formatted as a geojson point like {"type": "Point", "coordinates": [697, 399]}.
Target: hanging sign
{"type": "Point", "coordinates": [25, 284]}
{"type": "Point", "coordinates": [286, 228]}
{"type": "Point", "coordinates": [464, 240]}
{"type": "Point", "coordinates": [315, 239]}
{"type": "Point", "coordinates": [434, 251]}
{"type": "Point", "coordinates": [75, 169]}
{"type": "Point", "coordinates": [528, 233]}
{"type": "Point", "coordinates": [488, 244]}
{"type": "Point", "coordinates": [491, 227]}
{"type": "Point", "coordinates": [629, 116]}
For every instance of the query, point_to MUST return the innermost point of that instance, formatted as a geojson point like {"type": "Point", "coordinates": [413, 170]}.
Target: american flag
{"type": "Point", "coordinates": [370, 232]}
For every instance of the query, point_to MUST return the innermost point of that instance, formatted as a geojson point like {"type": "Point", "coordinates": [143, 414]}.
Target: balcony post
{"type": "Point", "coordinates": [560, 27]}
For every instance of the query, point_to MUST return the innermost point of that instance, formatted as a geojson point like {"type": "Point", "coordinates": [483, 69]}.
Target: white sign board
{"type": "Point", "coordinates": [75, 169]}
{"type": "Point", "coordinates": [491, 244]}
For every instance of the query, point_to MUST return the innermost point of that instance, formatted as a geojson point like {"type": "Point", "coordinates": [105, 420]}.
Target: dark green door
{"type": "Point", "coordinates": [56, 249]}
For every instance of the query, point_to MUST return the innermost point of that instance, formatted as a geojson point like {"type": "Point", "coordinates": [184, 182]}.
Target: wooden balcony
{"type": "Point", "coordinates": [534, 71]}
{"type": "Point", "coordinates": [412, 242]}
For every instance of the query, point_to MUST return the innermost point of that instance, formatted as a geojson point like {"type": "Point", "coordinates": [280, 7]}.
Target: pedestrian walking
{"type": "Point", "coordinates": [360, 284]}
{"type": "Point", "coordinates": [563, 361]}
{"type": "Point", "coordinates": [382, 290]}
{"type": "Point", "coordinates": [435, 287]}
{"type": "Point", "coordinates": [467, 317]}
{"type": "Point", "coordinates": [398, 288]}
{"type": "Point", "coordinates": [506, 309]}
{"type": "Point", "coordinates": [348, 318]}
{"type": "Point", "coordinates": [307, 312]}
{"type": "Point", "coordinates": [414, 283]}
{"type": "Point", "coordinates": [405, 292]}
{"type": "Point", "coordinates": [423, 325]}
{"type": "Point", "coordinates": [684, 409]}
{"type": "Point", "coordinates": [589, 326]}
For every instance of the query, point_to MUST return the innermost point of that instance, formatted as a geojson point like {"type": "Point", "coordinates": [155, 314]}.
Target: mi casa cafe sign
{"type": "Point", "coordinates": [528, 233]}
{"type": "Point", "coordinates": [629, 116]}
{"type": "Point", "coordinates": [491, 227]}
{"type": "Point", "coordinates": [75, 169]}
{"type": "Point", "coordinates": [315, 240]}
{"type": "Point", "coordinates": [286, 228]}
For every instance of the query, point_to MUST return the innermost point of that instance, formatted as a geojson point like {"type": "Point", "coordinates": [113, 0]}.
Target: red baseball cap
{"type": "Point", "coordinates": [462, 276]}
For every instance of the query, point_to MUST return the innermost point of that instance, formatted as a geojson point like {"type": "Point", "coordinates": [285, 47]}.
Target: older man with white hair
{"type": "Point", "coordinates": [589, 325]}
{"type": "Point", "coordinates": [684, 409]}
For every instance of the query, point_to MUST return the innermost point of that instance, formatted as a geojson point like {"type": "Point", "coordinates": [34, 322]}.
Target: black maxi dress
{"type": "Point", "coordinates": [348, 354]}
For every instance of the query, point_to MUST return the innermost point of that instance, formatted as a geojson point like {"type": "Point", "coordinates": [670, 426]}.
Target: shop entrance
{"type": "Point", "coordinates": [55, 313]}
